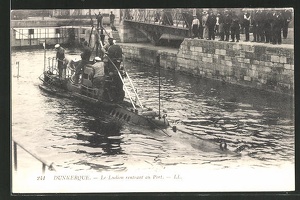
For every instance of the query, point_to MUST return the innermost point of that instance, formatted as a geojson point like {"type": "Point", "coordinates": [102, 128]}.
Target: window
{"type": "Point", "coordinates": [37, 33]}
{"type": "Point", "coordinates": [22, 33]}
{"type": "Point", "coordinates": [31, 31]}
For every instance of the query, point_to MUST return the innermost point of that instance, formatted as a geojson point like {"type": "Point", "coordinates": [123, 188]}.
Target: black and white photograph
{"type": "Point", "coordinates": [122, 100]}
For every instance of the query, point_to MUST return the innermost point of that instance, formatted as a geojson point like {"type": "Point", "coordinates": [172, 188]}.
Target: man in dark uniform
{"type": "Point", "coordinates": [112, 21]}
{"type": "Point", "coordinates": [211, 23]}
{"type": "Point", "coordinates": [60, 57]}
{"type": "Point", "coordinates": [260, 26]}
{"type": "Point", "coordinates": [85, 58]}
{"type": "Point", "coordinates": [268, 27]}
{"type": "Point", "coordinates": [235, 28]}
{"type": "Point", "coordinates": [277, 26]}
{"type": "Point", "coordinates": [227, 23]}
{"type": "Point", "coordinates": [200, 28]}
{"type": "Point", "coordinates": [114, 55]}
{"type": "Point", "coordinates": [97, 42]}
{"type": "Point", "coordinates": [99, 18]}
{"type": "Point", "coordinates": [221, 26]}
{"type": "Point", "coordinates": [254, 25]}
{"type": "Point", "coordinates": [287, 17]}
{"type": "Point", "coordinates": [246, 24]}
{"type": "Point", "coordinates": [112, 62]}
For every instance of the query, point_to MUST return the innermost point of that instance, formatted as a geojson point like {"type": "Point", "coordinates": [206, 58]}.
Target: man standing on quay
{"type": "Point", "coordinates": [99, 18]}
{"type": "Point", "coordinates": [195, 26]}
{"type": "Point", "coordinates": [287, 17]}
{"type": "Point", "coordinates": [211, 23]}
{"type": "Point", "coordinates": [112, 21]}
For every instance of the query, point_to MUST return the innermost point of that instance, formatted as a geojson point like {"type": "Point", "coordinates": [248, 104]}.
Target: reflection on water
{"type": "Point", "coordinates": [79, 137]}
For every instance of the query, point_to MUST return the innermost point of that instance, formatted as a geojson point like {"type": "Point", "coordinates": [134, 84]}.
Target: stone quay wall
{"type": "Point", "coordinates": [262, 66]}
{"type": "Point", "coordinates": [128, 34]}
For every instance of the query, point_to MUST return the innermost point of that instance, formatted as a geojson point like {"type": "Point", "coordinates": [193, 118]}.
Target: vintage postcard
{"type": "Point", "coordinates": [152, 100]}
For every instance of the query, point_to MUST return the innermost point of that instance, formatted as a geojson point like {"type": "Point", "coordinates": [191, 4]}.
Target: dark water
{"type": "Point", "coordinates": [77, 137]}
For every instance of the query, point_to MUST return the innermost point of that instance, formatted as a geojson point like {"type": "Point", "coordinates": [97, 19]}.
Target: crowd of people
{"type": "Point", "coordinates": [267, 26]}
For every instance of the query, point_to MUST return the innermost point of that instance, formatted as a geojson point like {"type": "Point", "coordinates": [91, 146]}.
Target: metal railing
{"type": "Point", "coordinates": [44, 162]}
{"type": "Point", "coordinates": [167, 17]}
{"type": "Point", "coordinates": [52, 67]}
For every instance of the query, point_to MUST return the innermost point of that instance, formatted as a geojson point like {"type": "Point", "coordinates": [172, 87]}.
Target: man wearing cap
{"type": "Point", "coordinates": [246, 24]}
{"type": "Point", "coordinates": [114, 55]}
{"type": "Point", "coordinates": [60, 56]}
{"type": "Point", "coordinates": [195, 26]}
{"type": "Point", "coordinates": [112, 64]}
{"type": "Point", "coordinates": [204, 25]}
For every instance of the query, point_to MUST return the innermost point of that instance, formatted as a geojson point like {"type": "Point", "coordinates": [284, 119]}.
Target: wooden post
{"type": "Point", "coordinates": [18, 69]}
{"type": "Point", "coordinates": [15, 156]}
{"type": "Point", "coordinates": [158, 65]}
{"type": "Point", "coordinates": [44, 44]}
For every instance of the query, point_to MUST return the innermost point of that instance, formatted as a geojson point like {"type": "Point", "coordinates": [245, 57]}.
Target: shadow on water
{"type": "Point", "coordinates": [105, 131]}
{"type": "Point", "coordinates": [106, 135]}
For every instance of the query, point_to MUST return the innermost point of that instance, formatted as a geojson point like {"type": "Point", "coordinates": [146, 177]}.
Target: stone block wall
{"type": "Point", "coordinates": [140, 54]}
{"type": "Point", "coordinates": [262, 66]}
{"type": "Point", "coordinates": [168, 60]}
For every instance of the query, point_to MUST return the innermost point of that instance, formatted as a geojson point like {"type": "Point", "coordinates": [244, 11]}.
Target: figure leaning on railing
{"type": "Point", "coordinates": [112, 65]}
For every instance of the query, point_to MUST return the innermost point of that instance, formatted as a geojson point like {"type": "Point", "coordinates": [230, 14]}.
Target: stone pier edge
{"type": "Point", "coordinates": [262, 66]}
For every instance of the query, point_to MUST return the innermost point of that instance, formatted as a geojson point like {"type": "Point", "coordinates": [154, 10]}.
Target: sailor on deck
{"type": "Point", "coordinates": [113, 56]}
{"type": "Point", "coordinates": [98, 73]}
{"type": "Point", "coordinates": [85, 58]}
{"type": "Point", "coordinates": [110, 43]}
{"type": "Point", "coordinates": [60, 57]}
